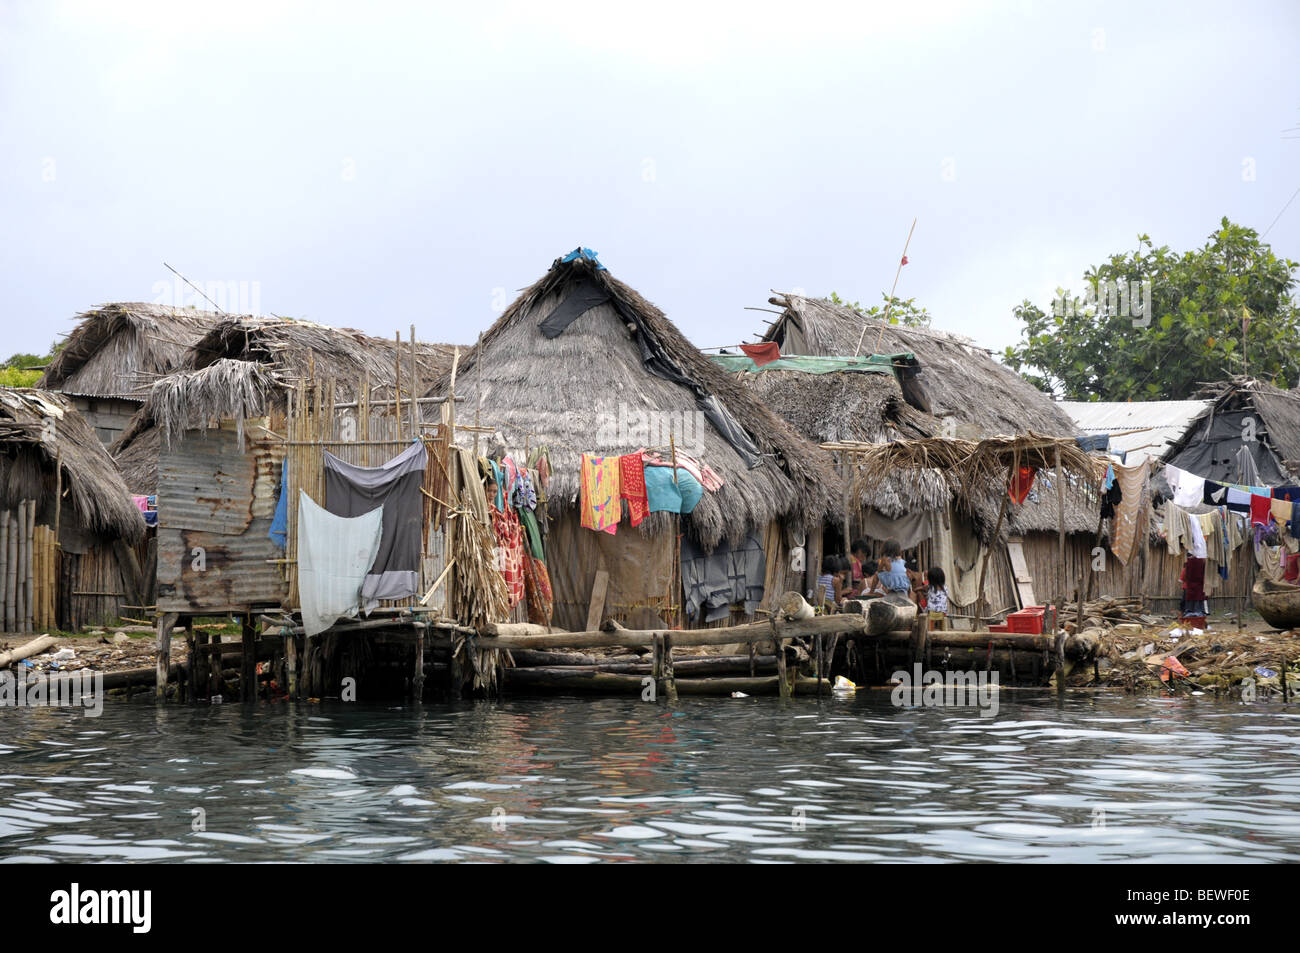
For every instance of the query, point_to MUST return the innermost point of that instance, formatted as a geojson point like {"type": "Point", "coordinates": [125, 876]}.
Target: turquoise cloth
{"type": "Point", "coordinates": [667, 497]}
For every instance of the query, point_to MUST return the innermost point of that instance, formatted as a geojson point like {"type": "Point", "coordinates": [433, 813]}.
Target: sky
{"type": "Point", "coordinates": [380, 165]}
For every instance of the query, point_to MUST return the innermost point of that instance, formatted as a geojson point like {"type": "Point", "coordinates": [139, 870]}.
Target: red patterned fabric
{"type": "Point", "coordinates": [510, 551]}
{"type": "Point", "coordinates": [541, 600]}
{"type": "Point", "coordinates": [632, 486]}
{"type": "Point", "coordinates": [762, 354]}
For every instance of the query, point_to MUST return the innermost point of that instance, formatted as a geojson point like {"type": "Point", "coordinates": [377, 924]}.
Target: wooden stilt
{"type": "Point", "coordinates": [248, 661]}
{"type": "Point", "coordinates": [291, 663]}
{"type": "Point", "coordinates": [417, 681]}
{"type": "Point", "coordinates": [670, 681]}
{"type": "Point", "coordinates": [166, 622]}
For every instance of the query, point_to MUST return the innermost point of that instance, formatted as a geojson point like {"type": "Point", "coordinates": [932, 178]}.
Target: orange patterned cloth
{"type": "Point", "coordinates": [510, 551]}
{"type": "Point", "coordinates": [600, 505]}
{"type": "Point", "coordinates": [541, 601]}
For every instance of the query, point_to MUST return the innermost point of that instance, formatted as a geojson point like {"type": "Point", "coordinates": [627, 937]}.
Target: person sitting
{"type": "Point", "coordinates": [936, 598]}
{"type": "Point", "coordinates": [824, 593]}
{"type": "Point", "coordinates": [893, 578]}
{"type": "Point", "coordinates": [861, 555]}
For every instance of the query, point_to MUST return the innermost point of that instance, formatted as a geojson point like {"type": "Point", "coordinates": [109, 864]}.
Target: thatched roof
{"type": "Point", "coordinates": [241, 362]}
{"type": "Point", "coordinates": [40, 430]}
{"type": "Point", "coordinates": [854, 406]}
{"type": "Point", "coordinates": [1277, 423]}
{"type": "Point", "coordinates": [964, 393]}
{"type": "Point", "coordinates": [118, 350]}
{"type": "Point", "coordinates": [302, 348]}
{"type": "Point", "coordinates": [958, 379]}
{"type": "Point", "coordinates": [567, 392]}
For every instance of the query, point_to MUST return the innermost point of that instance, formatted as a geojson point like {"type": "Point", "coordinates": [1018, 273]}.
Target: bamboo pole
{"type": "Point", "coordinates": [20, 580]}
{"type": "Point", "coordinates": [415, 389]}
{"type": "Point", "coordinates": [11, 575]}
{"type": "Point", "coordinates": [993, 541]}
{"type": "Point", "coordinates": [31, 532]}
{"type": "Point", "coordinates": [397, 380]}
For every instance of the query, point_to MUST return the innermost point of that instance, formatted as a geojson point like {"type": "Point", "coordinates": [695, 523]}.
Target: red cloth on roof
{"type": "Point", "coordinates": [1021, 484]}
{"type": "Point", "coordinates": [764, 353]}
{"type": "Point", "coordinates": [631, 486]}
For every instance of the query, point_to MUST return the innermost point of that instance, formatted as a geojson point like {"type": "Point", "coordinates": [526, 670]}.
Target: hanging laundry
{"type": "Point", "coordinates": [334, 556]}
{"type": "Point", "coordinates": [1197, 537]}
{"type": "Point", "coordinates": [537, 588]}
{"type": "Point", "coordinates": [1280, 510]}
{"type": "Point", "coordinates": [525, 493]}
{"type": "Point", "coordinates": [279, 531]}
{"type": "Point", "coordinates": [1259, 508]}
{"type": "Point", "coordinates": [532, 534]}
{"type": "Point", "coordinates": [1238, 500]}
{"type": "Point", "coordinates": [600, 505]}
{"type": "Point", "coordinates": [1215, 493]}
{"type": "Point", "coordinates": [1132, 481]}
{"type": "Point", "coordinates": [351, 490]}
{"type": "Point", "coordinates": [509, 551]}
{"type": "Point", "coordinates": [702, 472]}
{"type": "Point", "coordinates": [1288, 493]}
{"type": "Point", "coordinates": [1021, 483]}
{"type": "Point", "coordinates": [764, 353]}
{"type": "Point", "coordinates": [1188, 488]}
{"type": "Point", "coordinates": [631, 486]}
{"type": "Point", "coordinates": [666, 496]}
{"type": "Point", "coordinates": [1178, 532]}
{"type": "Point", "coordinates": [713, 582]}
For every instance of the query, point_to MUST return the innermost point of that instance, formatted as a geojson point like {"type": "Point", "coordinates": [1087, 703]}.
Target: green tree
{"type": "Point", "coordinates": [1153, 325]}
{"type": "Point", "coordinates": [24, 370]}
{"type": "Point", "coordinates": [904, 310]}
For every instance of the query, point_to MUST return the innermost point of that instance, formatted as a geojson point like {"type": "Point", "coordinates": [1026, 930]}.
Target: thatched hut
{"type": "Point", "coordinates": [291, 350]}
{"type": "Point", "coordinates": [942, 385]}
{"type": "Point", "coordinates": [1249, 433]}
{"type": "Point", "coordinates": [582, 363]}
{"type": "Point", "coordinates": [52, 466]}
{"type": "Point", "coordinates": [114, 354]}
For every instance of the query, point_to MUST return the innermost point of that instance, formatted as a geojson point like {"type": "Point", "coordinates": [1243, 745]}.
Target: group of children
{"type": "Point", "coordinates": [843, 578]}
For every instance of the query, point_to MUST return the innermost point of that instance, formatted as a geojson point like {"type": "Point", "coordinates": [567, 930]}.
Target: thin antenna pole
{"type": "Point", "coordinates": [890, 303]}
{"type": "Point", "coordinates": [192, 285]}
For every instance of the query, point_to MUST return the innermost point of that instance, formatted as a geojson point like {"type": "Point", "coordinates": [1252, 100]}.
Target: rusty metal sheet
{"type": "Point", "coordinates": [235, 576]}
{"type": "Point", "coordinates": [206, 484]}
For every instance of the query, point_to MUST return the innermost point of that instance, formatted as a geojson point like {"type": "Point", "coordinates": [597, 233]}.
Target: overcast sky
{"type": "Point", "coordinates": [374, 165]}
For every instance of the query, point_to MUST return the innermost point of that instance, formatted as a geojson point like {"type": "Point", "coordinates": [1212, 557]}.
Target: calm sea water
{"type": "Point", "coordinates": [1093, 778]}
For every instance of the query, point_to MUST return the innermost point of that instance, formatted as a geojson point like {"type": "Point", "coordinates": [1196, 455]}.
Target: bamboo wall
{"type": "Point", "coordinates": [28, 571]}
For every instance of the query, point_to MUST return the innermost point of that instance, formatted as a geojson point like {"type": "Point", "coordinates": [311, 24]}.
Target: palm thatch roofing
{"type": "Point", "coordinates": [239, 367]}
{"type": "Point", "coordinates": [1208, 444]}
{"type": "Point", "coordinates": [118, 350]}
{"type": "Point", "coordinates": [41, 432]}
{"type": "Point", "coordinates": [957, 380]}
{"type": "Point", "coordinates": [570, 393]}
{"type": "Point", "coordinates": [961, 393]}
{"type": "Point", "coordinates": [304, 349]}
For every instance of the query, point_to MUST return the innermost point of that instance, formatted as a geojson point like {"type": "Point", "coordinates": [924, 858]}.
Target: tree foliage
{"type": "Point", "coordinates": [1152, 324]}
{"type": "Point", "coordinates": [904, 311]}
{"type": "Point", "coordinates": [24, 370]}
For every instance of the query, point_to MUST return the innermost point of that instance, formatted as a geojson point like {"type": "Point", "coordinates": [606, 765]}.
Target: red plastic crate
{"type": "Point", "coordinates": [999, 628]}
{"type": "Point", "coordinates": [1027, 621]}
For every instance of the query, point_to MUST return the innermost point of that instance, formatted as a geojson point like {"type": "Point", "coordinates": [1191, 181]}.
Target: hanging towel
{"type": "Point", "coordinates": [1021, 484]}
{"type": "Point", "coordinates": [334, 554]}
{"type": "Point", "coordinates": [1238, 500]}
{"type": "Point", "coordinates": [701, 471]}
{"type": "Point", "coordinates": [1132, 481]}
{"type": "Point", "coordinates": [1280, 510]}
{"type": "Point", "coordinates": [631, 486]}
{"type": "Point", "coordinates": [1197, 534]}
{"type": "Point", "coordinates": [1288, 493]}
{"type": "Point", "coordinates": [1178, 534]}
{"type": "Point", "coordinates": [1188, 488]}
{"type": "Point", "coordinates": [532, 534]}
{"type": "Point", "coordinates": [600, 505]}
{"type": "Point", "coordinates": [666, 496]}
{"type": "Point", "coordinates": [1259, 508]}
{"type": "Point", "coordinates": [764, 353]}
{"type": "Point", "coordinates": [1215, 494]}
{"type": "Point", "coordinates": [351, 490]}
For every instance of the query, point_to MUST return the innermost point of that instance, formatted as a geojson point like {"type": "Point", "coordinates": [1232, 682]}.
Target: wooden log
{"type": "Point", "coordinates": [682, 667]}
{"type": "Point", "coordinates": [604, 683]}
{"type": "Point", "coordinates": [793, 606]}
{"type": "Point", "coordinates": [162, 663]}
{"type": "Point", "coordinates": [889, 614]}
{"type": "Point", "coordinates": [34, 647]}
{"type": "Point", "coordinates": [942, 639]}
{"type": "Point", "coordinates": [670, 679]}
{"type": "Point", "coordinates": [637, 638]}
{"type": "Point", "coordinates": [511, 629]}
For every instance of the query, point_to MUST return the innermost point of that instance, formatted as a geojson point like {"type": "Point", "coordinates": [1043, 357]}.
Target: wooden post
{"type": "Point", "coordinates": [397, 381]}
{"type": "Point", "coordinates": [657, 662]}
{"type": "Point", "coordinates": [248, 661]}
{"type": "Point", "coordinates": [993, 541]}
{"type": "Point", "coordinates": [11, 575]}
{"type": "Point", "coordinates": [778, 646]}
{"type": "Point", "coordinates": [20, 618]}
{"type": "Point", "coordinates": [291, 663]}
{"type": "Point", "coordinates": [670, 681]}
{"type": "Point", "coordinates": [415, 395]}
{"type": "Point", "coordinates": [417, 683]}
{"type": "Point", "coordinates": [1060, 573]}
{"type": "Point", "coordinates": [166, 622]}
{"type": "Point", "coordinates": [31, 534]}
{"type": "Point", "coordinates": [4, 570]}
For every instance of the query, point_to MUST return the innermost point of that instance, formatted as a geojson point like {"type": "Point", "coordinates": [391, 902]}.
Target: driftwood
{"type": "Point", "coordinates": [34, 647]}
{"type": "Point", "coordinates": [885, 615]}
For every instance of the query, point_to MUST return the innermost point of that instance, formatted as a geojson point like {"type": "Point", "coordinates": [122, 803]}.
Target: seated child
{"type": "Point", "coordinates": [936, 597]}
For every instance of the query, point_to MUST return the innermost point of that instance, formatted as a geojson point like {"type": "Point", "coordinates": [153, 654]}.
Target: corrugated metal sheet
{"type": "Point", "coordinates": [1161, 422]}
{"type": "Point", "coordinates": [213, 497]}
{"type": "Point", "coordinates": [205, 483]}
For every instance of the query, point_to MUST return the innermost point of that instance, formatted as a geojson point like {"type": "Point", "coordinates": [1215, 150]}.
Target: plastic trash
{"type": "Point", "coordinates": [1263, 672]}
{"type": "Point", "coordinates": [843, 684]}
{"type": "Point", "coordinates": [64, 654]}
{"type": "Point", "coordinates": [739, 695]}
